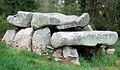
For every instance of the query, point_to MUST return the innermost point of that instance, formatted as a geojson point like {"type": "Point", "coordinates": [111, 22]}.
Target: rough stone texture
{"type": "Point", "coordinates": [87, 28]}
{"type": "Point", "coordinates": [70, 52]}
{"type": "Point", "coordinates": [23, 38]}
{"type": "Point", "coordinates": [58, 59]}
{"type": "Point", "coordinates": [80, 21]}
{"type": "Point", "coordinates": [60, 20]}
{"type": "Point", "coordinates": [50, 47]}
{"type": "Point", "coordinates": [40, 40]}
{"type": "Point", "coordinates": [45, 19]}
{"type": "Point", "coordinates": [103, 47]}
{"type": "Point", "coordinates": [71, 55]}
{"type": "Point", "coordinates": [87, 38]}
{"type": "Point", "coordinates": [110, 51]}
{"type": "Point", "coordinates": [21, 19]}
{"type": "Point", "coordinates": [9, 36]}
{"type": "Point", "coordinates": [58, 53]}
{"type": "Point", "coordinates": [39, 51]}
{"type": "Point", "coordinates": [75, 61]}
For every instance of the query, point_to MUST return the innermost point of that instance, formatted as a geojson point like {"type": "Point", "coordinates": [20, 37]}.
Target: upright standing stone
{"type": "Point", "coordinates": [71, 54]}
{"type": "Point", "coordinates": [23, 38]}
{"type": "Point", "coordinates": [40, 40]}
{"type": "Point", "coordinates": [9, 36]}
{"type": "Point", "coordinates": [21, 19]}
{"type": "Point", "coordinates": [87, 38]}
{"type": "Point", "coordinates": [58, 53]}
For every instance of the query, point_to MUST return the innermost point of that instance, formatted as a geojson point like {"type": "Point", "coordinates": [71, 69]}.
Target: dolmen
{"type": "Point", "coordinates": [61, 34]}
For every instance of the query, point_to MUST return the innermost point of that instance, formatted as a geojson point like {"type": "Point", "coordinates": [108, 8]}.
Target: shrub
{"type": "Point", "coordinates": [8, 7]}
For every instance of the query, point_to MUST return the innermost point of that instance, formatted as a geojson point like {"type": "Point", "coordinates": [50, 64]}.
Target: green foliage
{"type": "Point", "coordinates": [71, 9]}
{"type": "Point", "coordinates": [4, 25]}
{"type": "Point", "coordinates": [105, 15]}
{"type": "Point", "coordinates": [8, 7]}
{"type": "Point", "coordinates": [117, 48]}
{"type": "Point", "coordinates": [16, 59]}
{"type": "Point", "coordinates": [47, 6]}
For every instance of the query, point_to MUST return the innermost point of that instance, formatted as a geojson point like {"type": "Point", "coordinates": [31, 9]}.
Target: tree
{"type": "Point", "coordinates": [8, 7]}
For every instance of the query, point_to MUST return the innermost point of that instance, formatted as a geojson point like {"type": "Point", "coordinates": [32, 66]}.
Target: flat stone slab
{"type": "Point", "coordinates": [21, 19]}
{"type": "Point", "coordinates": [59, 20]}
{"type": "Point", "coordinates": [87, 38]}
{"type": "Point", "coordinates": [81, 21]}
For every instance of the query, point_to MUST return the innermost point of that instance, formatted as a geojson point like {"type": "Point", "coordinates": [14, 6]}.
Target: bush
{"type": "Point", "coordinates": [8, 7]}
{"type": "Point", "coordinates": [4, 25]}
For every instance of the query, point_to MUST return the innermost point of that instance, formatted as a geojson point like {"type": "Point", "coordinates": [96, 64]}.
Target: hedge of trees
{"type": "Point", "coordinates": [105, 14]}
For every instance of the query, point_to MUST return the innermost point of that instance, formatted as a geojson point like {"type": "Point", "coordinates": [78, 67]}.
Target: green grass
{"type": "Point", "coordinates": [20, 59]}
{"type": "Point", "coordinates": [16, 59]}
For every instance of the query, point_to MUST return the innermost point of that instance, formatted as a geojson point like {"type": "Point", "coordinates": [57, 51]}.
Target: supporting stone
{"type": "Point", "coordinates": [110, 51]}
{"type": "Point", "coordinates": [58, 53]}
{"type": "Point", "coordinates": [70, 54]}
{"type": "Point", "coordinates": [9, 36]}
{"type": "Point", "coordinates": [23, 38]}
{"type": "Point", "coordinates": [87, 28]}
{"type": "Point", "coordinates": [40, 40]}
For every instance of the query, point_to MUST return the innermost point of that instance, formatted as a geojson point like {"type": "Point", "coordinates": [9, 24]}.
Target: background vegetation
{"type": "Point", "coordinates": [105, 15]}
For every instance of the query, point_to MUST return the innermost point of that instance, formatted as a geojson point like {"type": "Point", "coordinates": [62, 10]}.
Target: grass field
{"type": "Point", "coordinates": [20, 59]}
{"type": "Point", "coordinates": [16, 59]}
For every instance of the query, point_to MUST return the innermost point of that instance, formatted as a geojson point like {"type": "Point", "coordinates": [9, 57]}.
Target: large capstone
{"type": "Point", "coordinates": [87, 38]}
{"type": "Point", "coordinates": [41, 40]}
{"type": "Point", "coordinates": [81, 21]}
{"type": "Point", "coordinates": [60, 20]}
{"type": "Point", "coordinates": [23, 38]}
{"type": "Point", "coordinates": [9, 36]}
{"type": "Point", "coordinates": [21, 19]}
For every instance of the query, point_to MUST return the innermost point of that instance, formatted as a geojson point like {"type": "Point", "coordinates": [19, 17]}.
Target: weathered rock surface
{"type": "Point", "coordinates": [21, 19]}
{"type": "Point", "coordinates": [58, 53]}
{"type": "Point", "coordinates": [9, 36]}
{"type": "Point", "coordinates": [87, 38]}
{"type": "Point", "coordinates": [69, 52]}
{"type": "Point", "coordinates": [87, 28]}
{"type": "Point", "coordinates": [75, 61]}
{"type": "Point", "coordinates": [71, 55]}
{"type": "Point", "coordinates": [80, 21]}
{"type": "Point", "coordinates": [60, 20]}
{"type": "Point", "coordinates": [23, 38]}
{"type": "Point", "coordinates": [45, 19]}
{"type": "Point", "coordinates": [40, 40]}
{"type": "Point", "coordinates": [110, 51]}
